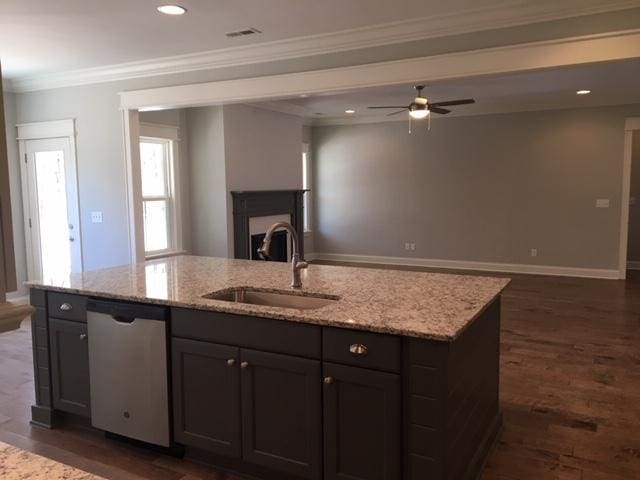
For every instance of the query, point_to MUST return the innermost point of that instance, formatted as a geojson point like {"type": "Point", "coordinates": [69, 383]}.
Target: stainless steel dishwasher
{"type": "Point", "coordinates": [128, 370]}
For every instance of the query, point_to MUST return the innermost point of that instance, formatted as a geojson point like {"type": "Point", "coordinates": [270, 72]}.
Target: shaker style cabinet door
{"type": "Point", "coordinates": [281, 413]}
{"type": "Point", "coordinates": [362, 429]}
{"type": "Point", "coordinates": [206, 396]}
{"type": "Point", "coordinates": [70, 366]}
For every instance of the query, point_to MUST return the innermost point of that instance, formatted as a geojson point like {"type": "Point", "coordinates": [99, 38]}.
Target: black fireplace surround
{"type": "Point", "coordinates": [262, 203]}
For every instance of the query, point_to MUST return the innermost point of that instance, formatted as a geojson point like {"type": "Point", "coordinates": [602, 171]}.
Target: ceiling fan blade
{"type": "Point", "coordinates": [441, 111]}
{"type": "Point", "coordinates": [395, 113]}
{"type": "Point", "coordinates": [391, 106]}
{"type": "Point", "coordinates": [464, 101]}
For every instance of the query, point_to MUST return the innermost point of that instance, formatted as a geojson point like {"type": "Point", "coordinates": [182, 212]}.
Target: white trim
{"type": "Point", "coordinates": [508, 14]}
{"type": "Point", "coordinates": [610, 274]}
{"type": "Point", "coordinates": [17, 299]}
{"type": "Point", "coordinates": [513, 58]}
{"type": "Point", "coordinates": [42, 130]}
{"type": "Point", "coordinates": [633, 265]}
{"type": "Point", "coordinates": [157, 130]}
{"type": "Point", "coordinates": [631, 124]}
{"type": "Point", "coordinates": [131, 140]}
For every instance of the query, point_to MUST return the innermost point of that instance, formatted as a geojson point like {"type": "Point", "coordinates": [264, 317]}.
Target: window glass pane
{"type": "Point", "coordinates": [156, 231]}
{"type": "Point", "coordinates": [153, 165]}
{"type": "Point", "coordinates": [52, 215]}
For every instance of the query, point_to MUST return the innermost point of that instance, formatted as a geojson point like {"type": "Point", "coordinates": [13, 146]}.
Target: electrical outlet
{"type": "Point", "coordinates": [407, 246]}
{"type": "Point", "coordinates": [632, 200]}
{"type": "Point", "coordinates": [96, 217]}
{"type": "Point", "coordinates": [602, 203]}
{"type": "Point", "coordinates": [413, 247]}
{"type": "Point", "coordinates": [534, 252]}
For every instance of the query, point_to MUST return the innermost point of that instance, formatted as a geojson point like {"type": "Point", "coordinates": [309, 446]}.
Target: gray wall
{"type": "Point", "coordinates": [633, 252]}
{"type": "Point", "coordinates": [16, 192]}
{"type": "Point", "coordinates": [101, 168]}
{"type": "Point", "coordinates": [208, 192]}
{"type": "Point", "coordinates": [486, 188]}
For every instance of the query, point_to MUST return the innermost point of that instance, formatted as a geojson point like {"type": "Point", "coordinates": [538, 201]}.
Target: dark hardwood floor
{"type": "Point", "coordinates": [570, 392]}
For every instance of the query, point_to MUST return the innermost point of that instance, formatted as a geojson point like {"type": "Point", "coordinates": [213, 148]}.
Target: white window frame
{"type": "Point", "coordinates": [307, 182]}
{"type": "Point", "coordinates": [169, 136]}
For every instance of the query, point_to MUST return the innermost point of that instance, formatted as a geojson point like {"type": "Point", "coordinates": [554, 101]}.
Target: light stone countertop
{"type": "Point", "coordinates": [416, 304]}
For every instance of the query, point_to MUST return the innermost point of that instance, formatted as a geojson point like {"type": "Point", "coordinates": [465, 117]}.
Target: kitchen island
{"type": "Point", "coordinates": [389, 375]}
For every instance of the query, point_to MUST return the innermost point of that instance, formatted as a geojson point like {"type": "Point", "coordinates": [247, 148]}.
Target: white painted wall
{"type": "Point", "coordinates": [481, 189]}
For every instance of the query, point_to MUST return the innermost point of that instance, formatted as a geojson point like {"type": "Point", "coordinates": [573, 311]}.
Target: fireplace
{"type": "Point", "coordinates": [278, 251]}
{"type": "Point", "coordinates": [255, 211]}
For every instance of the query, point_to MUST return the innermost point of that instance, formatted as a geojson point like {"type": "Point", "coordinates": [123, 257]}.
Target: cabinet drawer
{"type": "Point", "coordinates": [361, 349]}
{"type": "Point", "coordinates": [68, 306]}
{"type": "Point", "coordinates": [244, 331]}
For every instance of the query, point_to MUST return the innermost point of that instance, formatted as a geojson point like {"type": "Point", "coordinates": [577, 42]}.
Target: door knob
{"type": "Point", "coordinates": [328, 380]}
{"type": "Point", "coordinates": [66, 307]}
{"type": "Point", "coordinates": [83, 336]}
{"type": "Point", "coordinates": [244, 364]}
{"type": "Point", "coordinates": [231, 362]}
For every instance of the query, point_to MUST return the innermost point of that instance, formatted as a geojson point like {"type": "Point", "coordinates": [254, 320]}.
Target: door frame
{"type": "Point", "coordinates": [65, 129]}
{"type": "Point", "coordinates": [630, 125]}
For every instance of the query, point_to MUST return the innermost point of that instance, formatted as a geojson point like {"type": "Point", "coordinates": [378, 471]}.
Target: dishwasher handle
{"type": "Point", "coordinates": [124, 312]}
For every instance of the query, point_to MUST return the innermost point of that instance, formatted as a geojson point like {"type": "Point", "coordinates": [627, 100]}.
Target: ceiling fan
{"type": "Point", "coordinates": [420, 108]}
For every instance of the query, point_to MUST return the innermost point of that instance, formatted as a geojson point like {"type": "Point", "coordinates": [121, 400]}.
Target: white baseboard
{"type": "Point", "coordinates": [311, 256]}
{"type": "Point", "coordinates": [609, 274]}
{"type": "Point", "coordinates": [17, 298]}
{"type": "Point", "coordinates": [633, 265]}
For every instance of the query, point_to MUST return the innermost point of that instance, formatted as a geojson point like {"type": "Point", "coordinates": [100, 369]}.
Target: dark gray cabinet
{"type": "Point", "coordinates": [206, 396]}
{"type": "Point", "coordinates": [69, 366]}
{"type": "Point", "coordinates": [281, 413]}
{"type": "Point", "coordinates": [362, 432]}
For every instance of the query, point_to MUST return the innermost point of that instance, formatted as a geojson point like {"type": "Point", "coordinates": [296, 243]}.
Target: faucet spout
{"type": "Point", "coordinates": [297, 263]}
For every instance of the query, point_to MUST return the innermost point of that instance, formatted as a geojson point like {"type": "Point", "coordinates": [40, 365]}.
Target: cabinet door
{"type": "Point", "coordinates": [281, 413]}
{"type": "Point", "coordinates": [206, 396]}
{"type": "Point", "coordinates": [70, 366]}
{"type": "Point", "coordinates": [362, 412]}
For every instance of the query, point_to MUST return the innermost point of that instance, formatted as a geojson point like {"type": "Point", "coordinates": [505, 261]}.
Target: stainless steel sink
{"type": "Point", "coordinates": [282, 299]}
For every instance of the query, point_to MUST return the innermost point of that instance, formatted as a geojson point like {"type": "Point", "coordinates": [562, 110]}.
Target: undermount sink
{"type": "Point", "coordinates": [282, 299]}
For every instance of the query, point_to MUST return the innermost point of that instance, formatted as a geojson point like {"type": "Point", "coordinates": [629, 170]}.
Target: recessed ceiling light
{"type": "Point", "coordinates": [172, 9]}
{"type": "Point", "coordinates": [583, 92]}
{"type": "Point", "coordinates": [303, 95]}
{"type": "Point", "coordinates": [350, 111]}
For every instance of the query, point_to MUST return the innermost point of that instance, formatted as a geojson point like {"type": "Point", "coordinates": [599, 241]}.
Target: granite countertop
{"type": "Point", "coordinates": [426, 305]}
{"type": "Point", "coordinates": [17, 464]}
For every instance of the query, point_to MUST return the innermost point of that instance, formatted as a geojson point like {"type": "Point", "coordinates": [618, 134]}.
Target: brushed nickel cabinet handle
{"type": "Point", "coordinates": [328, 380]}
{"type": "Point", "coordinates": [244, 364]}
{"type": "Point", "coordinates": [66, 307]}
{"type": "Point", "coordinates": [358, 349]}
{"type": "Point", "coordinates": [83, 336]}
{"type": "Point", "coordinates": [231, 362]}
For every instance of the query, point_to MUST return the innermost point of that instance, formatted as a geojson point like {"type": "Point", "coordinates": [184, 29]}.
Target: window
{"type": "Point", "coordinates": [306, 185]}
{"type": "Point", "coordinates": [159, 200]}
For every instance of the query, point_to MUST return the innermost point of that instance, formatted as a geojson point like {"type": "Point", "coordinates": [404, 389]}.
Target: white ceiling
{"type": "Point", "coordinates": [45, 36]}
{"type": "Point", "coordinates": [611, 83]}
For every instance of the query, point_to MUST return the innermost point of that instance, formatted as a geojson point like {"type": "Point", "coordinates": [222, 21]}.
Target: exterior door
{"type": "Point", "coordinates": [51, 209]}
{"type": "Point", "coordinates": [281, 413]}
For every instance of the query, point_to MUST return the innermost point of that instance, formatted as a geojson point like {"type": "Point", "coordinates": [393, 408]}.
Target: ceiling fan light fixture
{"type": "Point", "coordinates": [419, 114]}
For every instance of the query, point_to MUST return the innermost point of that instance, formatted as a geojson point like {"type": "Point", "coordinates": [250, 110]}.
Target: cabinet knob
{"type": "Point", "coordinates": [244, 364]}
{"type": "Point", "coordinates": [328, 380]}
{"type": "Point", "coordinates": [231, 362]}
{"type": "Point", "coordinates": [358, 349]}
{"type": "Point", "coordinates": [66, 307]}
{"type": "Point", "coordinates": [83, 336]}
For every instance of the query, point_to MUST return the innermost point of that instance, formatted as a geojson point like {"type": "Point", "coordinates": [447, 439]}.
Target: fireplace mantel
{"type": "Point", "coordinates": [262, 203]}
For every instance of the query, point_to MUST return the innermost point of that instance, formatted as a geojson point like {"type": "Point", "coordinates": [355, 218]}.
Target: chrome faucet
{"type": "Point", "coordinates": [297, 263]}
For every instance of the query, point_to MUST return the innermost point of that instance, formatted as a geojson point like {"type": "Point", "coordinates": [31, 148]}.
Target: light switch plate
{"type": "Point", "coordinates": [96, 217]}
{"type": "Point", "coordinates": [602, 203]}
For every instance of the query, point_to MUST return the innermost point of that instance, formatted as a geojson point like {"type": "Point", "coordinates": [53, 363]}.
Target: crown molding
{"type": "Point", "coordinates": [511, 13]}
